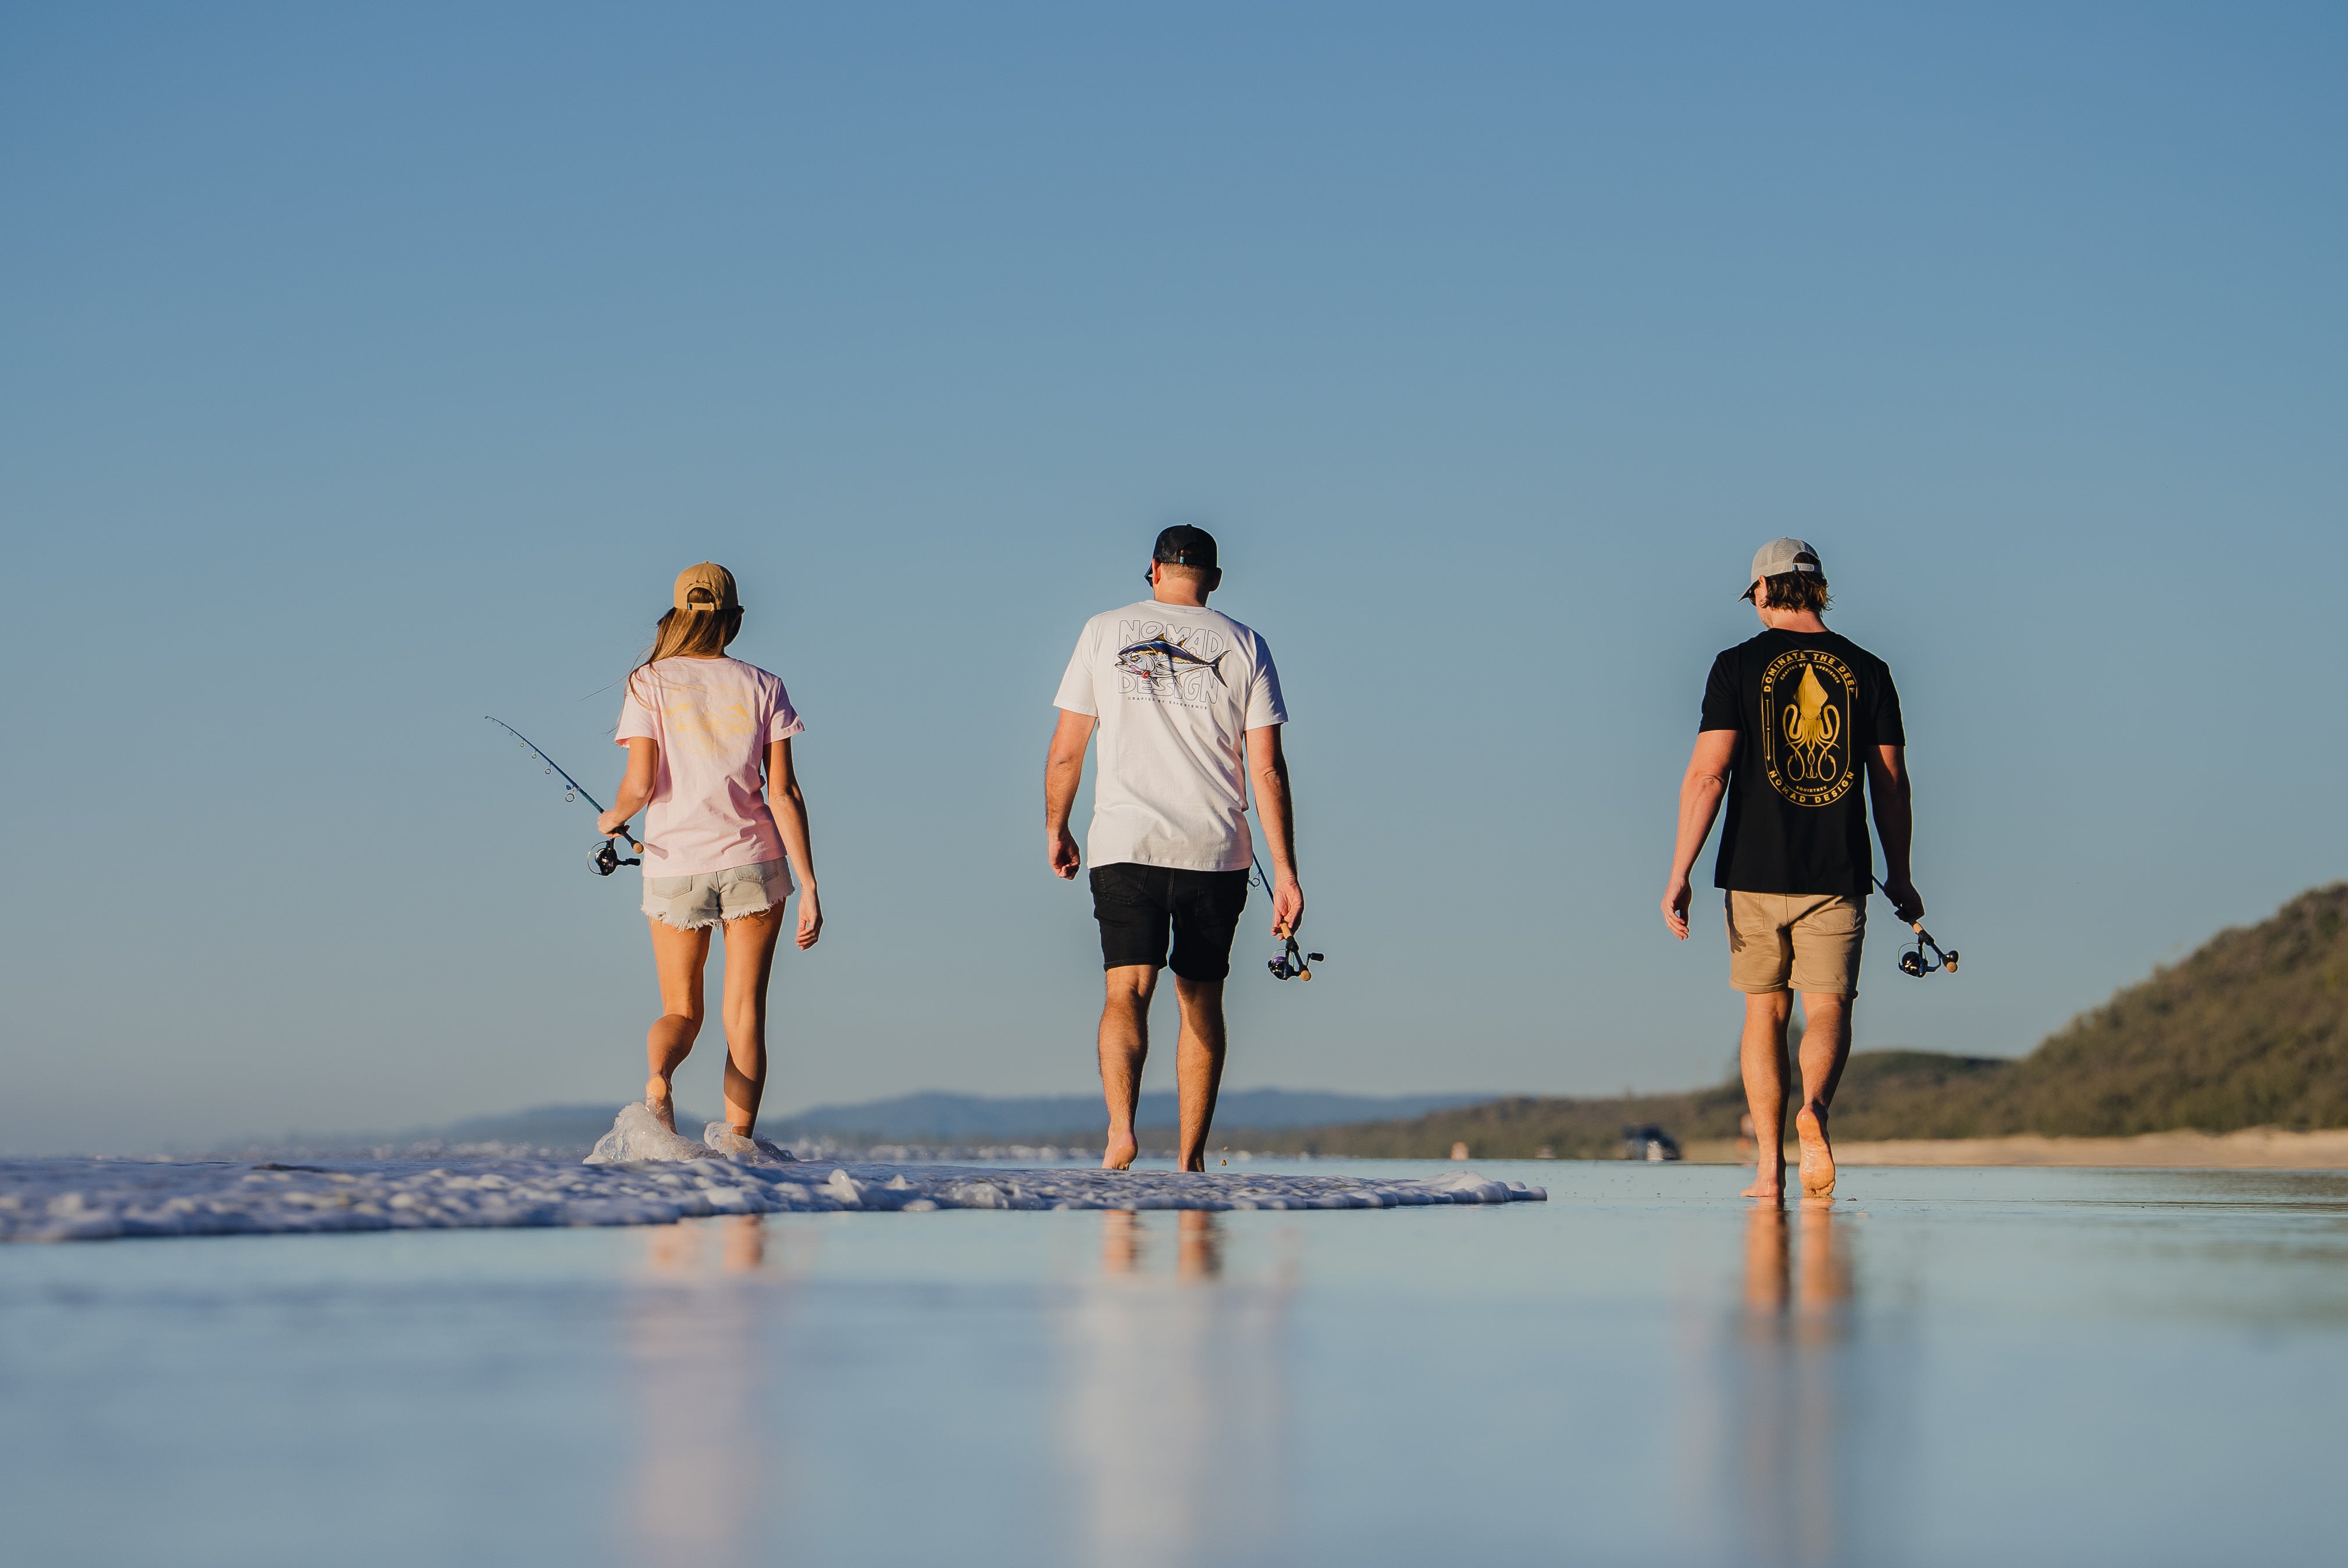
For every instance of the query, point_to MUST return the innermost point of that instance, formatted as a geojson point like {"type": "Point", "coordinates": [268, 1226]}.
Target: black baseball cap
{"type": "Point", "coordinates": [1183, 546]}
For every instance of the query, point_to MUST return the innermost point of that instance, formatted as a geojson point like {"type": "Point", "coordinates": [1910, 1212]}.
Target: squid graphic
{"type": "Point", "coordinates": [1812, 724]}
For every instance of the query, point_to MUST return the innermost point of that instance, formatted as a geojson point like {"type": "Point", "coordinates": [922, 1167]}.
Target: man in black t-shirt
{"type": "Point", "coordinates": [1797, 724]}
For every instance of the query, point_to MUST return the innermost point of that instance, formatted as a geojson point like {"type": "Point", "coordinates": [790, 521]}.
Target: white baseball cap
{"type": "Point", "coordinates": [1781, 556]}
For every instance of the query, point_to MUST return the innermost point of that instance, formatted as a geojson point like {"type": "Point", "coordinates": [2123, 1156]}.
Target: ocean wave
{"type": "Point", "coordinates": [92, 1200]}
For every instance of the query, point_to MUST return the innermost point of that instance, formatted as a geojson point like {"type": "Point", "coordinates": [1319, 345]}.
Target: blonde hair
{"type": "Point", "coordinates": [702, 632]}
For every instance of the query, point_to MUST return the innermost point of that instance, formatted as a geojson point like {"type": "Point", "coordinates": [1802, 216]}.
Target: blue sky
{"type": "Point", "coordinates": [369, 372]}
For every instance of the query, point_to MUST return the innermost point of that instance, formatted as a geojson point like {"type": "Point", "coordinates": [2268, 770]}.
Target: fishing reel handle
{"type": "Point", "coordinates": [1292, 962]}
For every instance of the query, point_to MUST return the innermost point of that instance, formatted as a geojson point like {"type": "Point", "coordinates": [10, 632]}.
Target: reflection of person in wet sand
{"type": "Point", "coordinates": [1175, 1416]}
{"type": "Point", "coordinates": [1824, 1280]}
{"type": "Point", "coordinates": [695, 1334]}
{"type": "Point", "coordinates": [1199, 1254]}
{"type": "Point", "coordinates": [1809, 724]}
{"type": "Point", "coordinates": [1785, 1444]}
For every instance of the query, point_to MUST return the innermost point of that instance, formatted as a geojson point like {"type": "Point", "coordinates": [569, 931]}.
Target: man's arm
{"type": "Point", "coordinates": [1895, 824]}
{"type": "Point", "coordinates": [1699, 795]}
{"type": "Point", "coordinates": [1064, 769]}
{"type": "Point", "coordinates": [1268, 773]}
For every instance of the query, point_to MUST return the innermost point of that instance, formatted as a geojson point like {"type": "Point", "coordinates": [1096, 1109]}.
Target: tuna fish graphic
{"type": "Point", "coordinates": [1165, 658]}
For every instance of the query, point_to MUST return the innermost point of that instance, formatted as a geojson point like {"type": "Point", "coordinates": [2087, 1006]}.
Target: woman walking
{"type": "Point", "coordinates": [710, 753]}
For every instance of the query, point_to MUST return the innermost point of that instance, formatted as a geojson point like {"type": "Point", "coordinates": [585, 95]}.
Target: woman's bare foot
{"type": "Point", "coordinates": [1118, 1155]}
{"type": "Point", "coordinates": [1771, 1184]}
{"type": "Point", "coordinates": [657, 1101]}
{"type": "Point", "coordinates": [1817, 1154]}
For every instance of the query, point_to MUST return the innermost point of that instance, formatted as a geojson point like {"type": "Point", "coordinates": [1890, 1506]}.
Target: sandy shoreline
{"type": "Point", "coordinates": [2253, 1149]}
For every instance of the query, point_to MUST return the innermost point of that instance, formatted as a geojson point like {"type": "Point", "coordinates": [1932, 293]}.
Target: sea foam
{"type": "Point", "coordinates": [636, 1134]}
{"type": "Point", "coordinates": [88, 1200]}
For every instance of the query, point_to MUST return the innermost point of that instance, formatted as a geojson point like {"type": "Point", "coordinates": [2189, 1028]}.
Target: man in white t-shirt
{"type": "Point", "coordinates": [1188, 706]}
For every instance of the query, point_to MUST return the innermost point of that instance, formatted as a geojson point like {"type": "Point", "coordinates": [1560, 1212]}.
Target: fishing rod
{"type": "Point", "coordinates": [606, 858]}
{"type": "Point", "coordinates": [1291, 962]}
{"type": "Point", "coordinates": [1913, 961]}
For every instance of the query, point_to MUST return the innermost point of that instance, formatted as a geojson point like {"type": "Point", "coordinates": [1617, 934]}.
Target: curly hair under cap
{"type": "Point", "coordinates": [1790, 590]}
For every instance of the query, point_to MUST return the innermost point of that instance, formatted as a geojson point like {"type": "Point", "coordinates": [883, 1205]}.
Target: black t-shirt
{"type": "Point", "coordinates": [1812, 707]}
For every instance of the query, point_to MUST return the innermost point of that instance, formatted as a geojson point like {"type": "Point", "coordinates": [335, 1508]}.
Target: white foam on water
{"type": "Point", "coordinates": [88, 1200]}
{"type": "Point", "coordinates": [637, 1135]}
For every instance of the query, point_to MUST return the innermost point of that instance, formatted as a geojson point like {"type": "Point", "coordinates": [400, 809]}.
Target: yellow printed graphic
{"type": "Point", "coordinates": [700, 721]}
{"type": "Point", "coordinates": [1804, 731]}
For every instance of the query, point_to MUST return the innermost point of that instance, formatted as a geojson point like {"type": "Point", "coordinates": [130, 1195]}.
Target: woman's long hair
{"type": "Point", "coordinates": [701, 632]}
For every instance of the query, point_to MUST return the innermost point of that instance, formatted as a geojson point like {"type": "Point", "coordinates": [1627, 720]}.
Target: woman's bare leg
{"type": "Point", "coordinates": [678, 957]}
{"type": "Point", "coordinates": [749, 964]}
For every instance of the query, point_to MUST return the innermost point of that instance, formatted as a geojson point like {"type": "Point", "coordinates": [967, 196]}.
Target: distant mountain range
{"type": "Point", "coordinates": [930, 1119]}
{"type": "Point", "coordinates": [2249, 1031]}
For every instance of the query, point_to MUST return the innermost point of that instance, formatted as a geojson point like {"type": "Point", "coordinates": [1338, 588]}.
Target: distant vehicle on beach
{"type": "Point", "coordinates": [1648, 1143]}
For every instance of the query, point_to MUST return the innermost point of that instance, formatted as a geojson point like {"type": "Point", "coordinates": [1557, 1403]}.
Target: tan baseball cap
{"type": "Point", "coordinates": [1781, 556]}
{"type": "Point", "coordinates": [708, 575]}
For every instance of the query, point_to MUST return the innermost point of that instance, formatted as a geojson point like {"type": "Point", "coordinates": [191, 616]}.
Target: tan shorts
{"type": "Point", "coordinates": [1806, 942]}
{"type": "Point", "coordinates": [690, 902]}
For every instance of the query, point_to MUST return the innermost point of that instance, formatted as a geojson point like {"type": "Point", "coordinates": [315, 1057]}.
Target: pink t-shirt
{"type": "Point", "coordinates": [713, 719]}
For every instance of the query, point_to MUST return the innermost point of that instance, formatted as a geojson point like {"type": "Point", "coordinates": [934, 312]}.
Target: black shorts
{"type": "Point", "coordinates": [1136, 905]}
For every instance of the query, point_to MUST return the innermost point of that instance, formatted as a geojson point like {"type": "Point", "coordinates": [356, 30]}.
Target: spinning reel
{"type": "Point", "coordinates": [1290, 963]}
{"type": "Point", "coordinates": [1915, 961]}
{"type": "Point", "coordinates": [606, 858]}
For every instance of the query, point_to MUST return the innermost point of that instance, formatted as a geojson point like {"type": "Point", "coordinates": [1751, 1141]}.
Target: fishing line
{"type": "Point", "coordinates": [606, 860]}
{"type": "Point", "coordinates": [1913, 961]}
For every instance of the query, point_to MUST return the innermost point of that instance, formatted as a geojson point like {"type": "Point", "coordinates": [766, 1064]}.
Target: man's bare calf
{"type": "Point", "coordinates": [1125, 1046]}
{"type": "Point", "coordinates": [1826, 1046]}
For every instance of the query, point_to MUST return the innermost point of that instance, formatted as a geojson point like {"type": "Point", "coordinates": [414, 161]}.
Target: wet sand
{"type": "Point", "coordinates": [2035, 1368]}
{"type": "Point", "coordinates": [2253, 1149]}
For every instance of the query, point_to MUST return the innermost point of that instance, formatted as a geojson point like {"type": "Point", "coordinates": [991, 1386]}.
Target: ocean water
{"type": "Point", "coordinates": [1947, 1367]}
{"type": "Point", "coordinates": [112, 1200]}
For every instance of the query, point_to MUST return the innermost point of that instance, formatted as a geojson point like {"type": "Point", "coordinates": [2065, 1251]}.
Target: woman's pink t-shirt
{"type": "Point", "coordinates": [713, 719]}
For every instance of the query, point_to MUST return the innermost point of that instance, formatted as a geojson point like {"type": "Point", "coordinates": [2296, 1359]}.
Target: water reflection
{"type": "Point", "coordinates": [695, 1344]}
{"type": "Point", "coordinates": [1800, 1402]}
{"type": "Point", "coordinates": [1176, 1423]}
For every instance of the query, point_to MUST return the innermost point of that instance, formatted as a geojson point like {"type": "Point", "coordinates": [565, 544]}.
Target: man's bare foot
{"type": "Point", "coordinates": [1771, 1184]}
{"type": "Point", "coordinates": [1817, 1154]}
{"type": "Point", "coordinates": [657, 1101]}
{"type": "Point", "coordinates": [1118, 1155]}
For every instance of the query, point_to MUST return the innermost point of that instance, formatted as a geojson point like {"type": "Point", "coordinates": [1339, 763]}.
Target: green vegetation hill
{"type": "Point", "coordinates": [2249, 1031]}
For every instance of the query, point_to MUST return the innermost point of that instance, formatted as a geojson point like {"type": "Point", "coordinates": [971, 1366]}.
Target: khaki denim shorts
{"type": "Point", "coordinates": [691, 902]}
{"type": "Point", "coordinates": [1805, 942]}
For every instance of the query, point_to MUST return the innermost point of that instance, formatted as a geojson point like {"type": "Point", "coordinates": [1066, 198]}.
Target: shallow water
{"type": "Point", "coordinates": [1952, 1366]}
{"type": "Point", "coordinates": [108, 1200]}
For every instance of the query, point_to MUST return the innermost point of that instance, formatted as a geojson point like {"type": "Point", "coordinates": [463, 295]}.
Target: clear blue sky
{"type": "Point", "coordinates": [367, 370]}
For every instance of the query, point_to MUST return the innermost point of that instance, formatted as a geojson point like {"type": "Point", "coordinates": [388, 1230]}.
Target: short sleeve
{"type": "Point", "coordinates": [1075, 695]}
{"type": "Point", "coordinates": [1722, 710]}
{"type": "Point", "coordinates": [1264, 706]}
{"type": "Point", "coordinates": [637, 719]}
{"type": "Point", "coordinates": [786, 722]}
{"type": "Point", "coordinates": [1889, 731]}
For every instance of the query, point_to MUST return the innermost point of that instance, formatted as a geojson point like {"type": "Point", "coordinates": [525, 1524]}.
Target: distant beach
{"type": "Point", "coordinates": [2251, 1149]}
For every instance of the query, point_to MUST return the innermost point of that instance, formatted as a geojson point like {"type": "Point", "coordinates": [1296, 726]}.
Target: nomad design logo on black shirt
{"type": "Point", "coordinates": [1807, 697]}
{"type": "Point", "coordinates": [1810, 708]}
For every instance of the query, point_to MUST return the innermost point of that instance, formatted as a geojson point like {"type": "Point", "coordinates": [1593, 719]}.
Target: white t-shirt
{"type": "Point", "coordinates": [713, 719]}
{"type": "Point", "coordinates": [1176, 689]}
